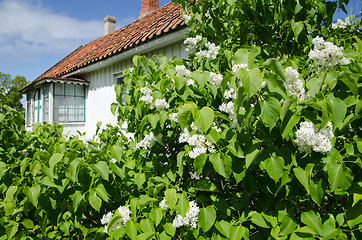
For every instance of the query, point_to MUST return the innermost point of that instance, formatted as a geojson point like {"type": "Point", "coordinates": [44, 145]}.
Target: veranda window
{"type": "Point", "coordinates": [69, 103]}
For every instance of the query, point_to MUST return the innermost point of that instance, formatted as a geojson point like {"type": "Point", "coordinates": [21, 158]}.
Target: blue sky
{"type": "Point", "coordinates": [36, 34]}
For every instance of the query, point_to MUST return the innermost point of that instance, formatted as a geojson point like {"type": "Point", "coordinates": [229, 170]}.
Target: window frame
{"type": "Point", "coordinates": [65, 96]}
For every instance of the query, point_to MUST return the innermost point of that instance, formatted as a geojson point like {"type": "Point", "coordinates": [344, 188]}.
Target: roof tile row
{"type": "Point", "coordinates": [160, 21]}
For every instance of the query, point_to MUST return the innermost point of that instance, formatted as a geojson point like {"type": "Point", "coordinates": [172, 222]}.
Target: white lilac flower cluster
{"type": "Point", "coordinates": [342, 23]}
{"type": "Point", "coordinates": [163, 204]}
{"type": "Point", "coordinates": [194, 176]}
{"type": "Point", "coordinates": [190, 219]}
{"type": "Point", "coordinates": [229, 109]}
{"type": "Point", "coordinates": [173, 117]}
{"type": "Point", "coordinates": [187, 18]}
{"type": "Point", "coordinates": [294, 85]}
{"type": "Point", "coordinates": [125, 213]}
{"type": "Point", "coordinates": [161, 104]}
{"type": "Point", "coordinates": [191, 44]}
{"type": "Point", "coordinates": [309, 138]}
{"type": "Point", "coordinates": [211, 52]}
{"type": "Point", "coordinates": [216, 79]}
{"type": "Point", "coordinates": [181, 70]}
{"type": "Point", "coordinates": [149, 141]}
{"type": "Point", "coordinates": [236, 68]}
{"type": "Point", "coordinates": [147, 95]}
{"type": "Point", "coordinates": [198, 142]}
{"type": "Point", "coordinates": [230, 94]}
{"type": "Point", "coordinates": [326, 55]}
{"type": "Point", "coordinates": [217, 129]}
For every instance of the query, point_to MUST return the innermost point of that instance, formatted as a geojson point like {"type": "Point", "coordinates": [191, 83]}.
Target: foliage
{"type": "Point", "coordinates": [11, 87]}
{"type": "Point", "coordinates": [278, 27]}
{"type": "Point", "coordinates": [228, 144]}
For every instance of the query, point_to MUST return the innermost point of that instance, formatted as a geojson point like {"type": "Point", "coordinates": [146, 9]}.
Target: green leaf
{"type": "Point", "coordinates": [182, 205]}
{"type": "Point", "coordinates": [329, 229]}
{"type": "Point", "coordinates": [185, 112]}
{"type": "Point", "coordinates": [170, 229]}
{"type": "Point", "coordinates": [180, 82]}
{"type": "Point", "coordinates": [223, 227]}
{"type": "Point", "coordinates": [117, 153]}
{"type": "Point", "coordinates": [207, 217]}
{"type": "Point", "coordinates": [102, 169]}
{"type": "Point", "coordinates": [275, 167]}
{"type": "Point", "coordinates": [325, 113]}
{"type": "Point", "coordinates": [339, 175]}
{"type": "Point", "coordinates": [145, 236]}
{"type": "Point", "coordinates": [77, 198]}
{"type": "Point", "coordinates": [270, 111]}
{"type": "Point", "coordinates": [47, 181]}
{"type": "Point", "coordinates": [297, 28]}
{"type": "Point", "coordinates": [286, 105]}
{"type": "Point", "coordinates": [339, 110]}
{"type": "Point", "coordinates": [156, 215]}
{"type": "Point", "coordinates": [235, 149]}
{"type": "Point", "coordinates": [57, 157]}
{"type": "Point", "coordinates": [153, 119]}
{"type": "Point", "coordinates": [171, 198]}
{"type": "Point", "coordinates": [145, 201]}
{"type": "Point", "coordinates": [131, 228]}
{"type": "Point", "coordinates": [221, 164]}
{"type": "Point", "coordinates": [354, 216]}
{"type": "Point", "coordinates": [10, 200]}
{"type": "Point", "coordinates": [356, 198]}
{"type": "Point", "coordinates": [287, 226]}
{"type": "Point", "coordinates": [11, 230]}
{"type": "Point", "coordinates": [313, 221]}
{"type": "Point", "coordinates": [251, 156]}
{"type": "Point", "coordinates": [33, 194]}
{"type": "Point", "coordinates": [146, 225]}
{"type": "Point", "coordinates": [73, 169]}
{"type": "Point", "coordinates": [350, 82]}
{"type": "Point", "coordinates": [201, 77]}
{"type": "Point", "coordinates": [102, 192]}
{"type": "Point", "coordinates": [254, 83]}
{"type": "Point", "coordinates": [204, 118]}
{"type": "Point", "coordinates": [140, 179]}
{"type": "Point", "coordinates": [27, 223]}
{"type": "Point", "coordinates": [314, 85]}
{"type": "Point", "coordinates": [237, 232]}
{"type": "Point", "coordinates": [241, 56]}
{"type": "Point", "coordinates": [304, 176]}
{"type": "Point", "coordinates": [316, 192]}
{"type": "Point", "coordinates": [276, 67]}
{"type": "Point", "coordinates": [94, 200]}
{"type": "Point", "coordinates": [258, 220]}
{"type": "Point", "coordinates": [199, 163]}
{"type": "Point", "coordinates": [292, 121]}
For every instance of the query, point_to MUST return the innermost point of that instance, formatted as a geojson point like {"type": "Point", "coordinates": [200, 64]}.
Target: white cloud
{"type": "Point", "coordinates": [28, 30]}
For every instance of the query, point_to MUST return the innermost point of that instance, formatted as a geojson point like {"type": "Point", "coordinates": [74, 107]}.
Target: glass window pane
{"type": "Point", "coordinates": [59, 89]}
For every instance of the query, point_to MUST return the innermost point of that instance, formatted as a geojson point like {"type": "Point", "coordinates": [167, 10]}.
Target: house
{"type": "Point", "coordinates": [78, 91]}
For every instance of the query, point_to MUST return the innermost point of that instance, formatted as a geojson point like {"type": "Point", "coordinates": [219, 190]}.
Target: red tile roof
{"type": "Point", "coordinates": [161, 21]}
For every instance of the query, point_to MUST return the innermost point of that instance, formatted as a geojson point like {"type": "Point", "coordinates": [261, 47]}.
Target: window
{"type": "Point", "coordinates": [37, 106]}
{"type": "Point", "coordinates": [46, 89]}
{"type": "Point", "coordinates": [29, 108]}
{"type": "Point", "coordinates": [120, 81]}
{"type": "Point", "coordinates": [69, 103]}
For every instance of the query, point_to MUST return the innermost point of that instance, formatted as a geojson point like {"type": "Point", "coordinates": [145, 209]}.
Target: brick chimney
{"type": "Point", "coordinates": [109, 24]}
{"type": "Point", "coordinates": [148, 6]}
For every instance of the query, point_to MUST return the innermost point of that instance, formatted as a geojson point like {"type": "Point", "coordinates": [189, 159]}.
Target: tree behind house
{"type": "Point", "coordinates": [10, 88]}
